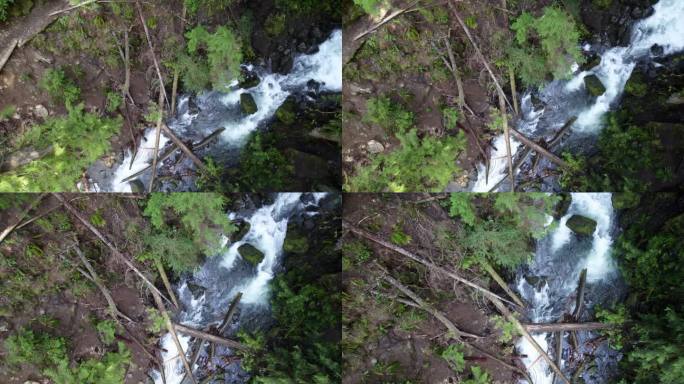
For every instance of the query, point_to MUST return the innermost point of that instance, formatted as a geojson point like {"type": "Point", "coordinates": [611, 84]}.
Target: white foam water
{"type": "Point", "coordinates": [665, 28]}
{"type": "Point", "coordinates": [323, 67]}
{"type": "Point", "coordinates": [597, 261]}
{"type": "Point", "coordinates": [267, 231]}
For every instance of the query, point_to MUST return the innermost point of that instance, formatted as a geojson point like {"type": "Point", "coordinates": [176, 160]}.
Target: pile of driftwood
{"type": "Point", "coordinates": [413, 300]}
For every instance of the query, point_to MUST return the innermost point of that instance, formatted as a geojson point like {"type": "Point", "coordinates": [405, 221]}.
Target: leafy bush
{"type": "Point", "coordinates": [392, 118]}
{"type": "Point", "coordinates": [4, 7]}
{"type": "Point", "coordinates": [479, 377]}
{"type": "Point", "coordinates": [78, 140]}
{"type": "Point", "coordinates": [544, 45]}
{"type": "Point", "coordinates": [461, 206]}
{"type": "Point", "coordinates": [263, 167]}
{"type": "Point", "coordinates": [371, 7]}
{"type": "Point", "coordinates": [107, 331]}
{"type": "Point", "coordinates": [615, 317]}
{"type": "Point", "coordinates": [399, 237]}
{"type": "Point", "coordinates": [210, 6]}
{"type": "Point", "coordinates": [453, 354]}
{"type": "Point", "coordinates": [200, 215]}
{"type": "Point", "coordinates": [355, 252]}
{"type": "Point", "coordinates": [114, 101]}
{"type": "Point", "coordinates": [60, 88]}
{"type": "Point", "coordinates": [428, 165]}
{"type": "Point", "coordinates": [508, 330]}
{"type": "Point", "coordinates": [218, 54]}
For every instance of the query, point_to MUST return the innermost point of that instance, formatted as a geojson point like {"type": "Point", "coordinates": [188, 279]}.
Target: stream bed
{"type": "Point", "coordinates": [549, 285]}
{"type": "Point", "coordinates": [206, 294]}
{"type": "Point", "coordinates": [655, 37]}
{"type": "Point", "coordinates": [312, 76]}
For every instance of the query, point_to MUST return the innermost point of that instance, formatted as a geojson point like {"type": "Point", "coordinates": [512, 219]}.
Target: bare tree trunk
{"type": "Point", "coordinates": [209, 337]}
{"type": "Point", "coordinates": [492, 272]}
{"type": "Point", "coordinates": [168, 132]}
{"type": "Point", "coordinates": [167, 284]}
{"type": "Point", "coordinates": [154, 56]}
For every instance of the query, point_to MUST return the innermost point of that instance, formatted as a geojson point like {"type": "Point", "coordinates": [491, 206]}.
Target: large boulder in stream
{"type": "Point", "coordinates": [251, 254]}
{"type": "Point", "coordinates": [248, 104]}
{"type": "Point", "coordinates": [295, 240]}
{"type": "Point", "coordinates": [581, 225]}
{"type": "Point", "coordinates": [286, 112]}
{"type": "Point", "coordinates": [594, 85]}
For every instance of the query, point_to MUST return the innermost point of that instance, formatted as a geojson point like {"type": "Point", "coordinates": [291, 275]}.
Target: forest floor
{"type": "Point", "coordinates": [386, 341]}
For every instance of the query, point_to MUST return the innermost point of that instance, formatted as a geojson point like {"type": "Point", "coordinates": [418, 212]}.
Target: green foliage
{"type": "Point", "coordinates": [77, 139]}
{"type": "Point", "coordinates": [453, 354]}
{"type": "Point", "coordinates": [399, 237]}
{"type": "Point", "coordinates": [615, 317]}
{"type": "Point", "coordinates": [499, 243]}
{"type": "Point", "coordinates": [263, 167]}
{"type": "Point", "coordinates": [14, 8]}
{"type": "Point", "coordinates": [544, 45]}
{"type": "Point", "coordinates": [508, 329]}
{"type": "Point", "coordinates": [275, 24]}
{"type": "Point", "coordinates": [4, 6]}
{"type": "Point", "coordinates": [114, 101]}
{"type": "Point", "coordinates": [219, 54]}
{"type": "Point", "coordinates": [461, 206]}
{"type": "Point", "coordinates": [479, 377]}
{"type": "Point", "coordinates": [7, 112]}
{"type": "Point", "coordinates": [604, 4]}
{"type": "Point", "coordinates": [471, 22]}
{"type": "Point", "coordinates": [392, 118]}
{"type": "Point", "coordinates": [209, 6]}
{"type": "Point", "coordinates": [60, 88]}
{"type": "Point", "coordinates": [97, 219]}
{"type": "Point", "coordinates": [410, 319]}
{"type": "Point", "coordinates": [428, 165]}
{"type": "Point", "coordinates": [450, 117]}
{"type": "Point", "coordinates": [196, 216]}
{"type": "Point", "coordinates": [157, 322]}
{"type": "Point", "coordinates": [107, 331]}
{"type": "Point", "coordinates": [49, 354]}
{"type": "Point", "coordinates": [371, 7]}
{"type": "Point", "coordinates": [355, 252]}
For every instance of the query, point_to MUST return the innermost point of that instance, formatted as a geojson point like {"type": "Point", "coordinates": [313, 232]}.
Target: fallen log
{"type": "Point", "coordinates": [172, 330]}
{"type": "Point", "coordinates": [555, 327]}
{"type": "Point", "coordinates": [539, 149]}
{"type": "Point", "coordinates": [360, 232]}
{"type": "Point", "coordinates": [209, 337]}
{"type": "Point", "coordinates": [168, 132]}
{"type": "Point", "coordinates": [509, 316]}
{"type": "Point", "coordinates": [488, 267]}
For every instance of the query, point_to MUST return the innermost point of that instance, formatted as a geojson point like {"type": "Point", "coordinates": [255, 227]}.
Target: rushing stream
{"type": "Point", "coordinates": [311, 74]}
{"type": "Point", "coordinates": [564, 99]}
{"type": "Point", "coordinates": [549, 286]}
{"type": "Point", "coordinates": [207, 293]}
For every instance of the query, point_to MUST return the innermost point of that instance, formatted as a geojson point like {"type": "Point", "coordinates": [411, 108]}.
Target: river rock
{"type": "Point", "coordinates": [250, 81]}
{"type": "Point", "coordinates": [196, 290]}
{"type": "Point", "coordinates": [374, 147]}
{"type": "Point", "coordinates": [536, 281]}
{"type": "Point", "coordinates": [657, 50]}
{"type": "Point", "coordinates": [537, 103]}
{"type": "Point", "coordinates": [594, 85]}
{"type": "Point", "coordinates": [243, 228]}
{"type": "Point", "coordinates": [675, 99]}
{"type": "Point", "coordinates": [248, 104]}
{"type": "Point", "coordinates": [562, 207]}
{"type": "Point", "coordinates": [251, 254]}
{"type": "Point", "coordinates": [137, 186]}
{"type": "Point", "coordinates": [295, 241]}
{"type": "Point", "coordinates": [581, 225]}
{"type": "Point", "coordinates": [286, 112]}
{"type": "Point", "coordinates": [41, 111]}
{"type": "Point", "coordinates": [636, 85]}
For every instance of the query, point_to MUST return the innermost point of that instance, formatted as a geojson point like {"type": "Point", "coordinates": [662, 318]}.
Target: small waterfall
{"type": "Point", "coordinates": [223, 276]}
{"type": "Point", "coordinates": [551, 280]}
{"type": "Point", "coordinates": [217, 109]}
{"type": "Point", "coordinates": [568, 98]}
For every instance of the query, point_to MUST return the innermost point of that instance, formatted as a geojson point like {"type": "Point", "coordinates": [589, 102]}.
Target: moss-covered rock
{"type": "Point", "coordinates": [251, 254]}
{"type": "Point", "coordinates": [295, 241]}
{"type": "Point", "coordinates": [594, 85]}
{"type": "Point", "coordinates": [636, 85]}
{"type": "Point", "coordinates": [286, 113]}
{"type": "Point", "coordinates": [243, 228]}
{"type": "Point", "coordinates": [248, 104]}
{"type": "Point", "coordinates": [249, 81]}
{"type": "Point", "coordinates": [581, 225]}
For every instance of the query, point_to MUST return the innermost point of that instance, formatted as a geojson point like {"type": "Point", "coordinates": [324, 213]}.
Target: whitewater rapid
{"type": "Point", "coordinates": [224, 277]}
{"type": "Point", "coordinates": [567, 98]}
{"type": "Point", "coordinates": [323, 67]}
{"type": "Point", "coordinates": [557, 259]}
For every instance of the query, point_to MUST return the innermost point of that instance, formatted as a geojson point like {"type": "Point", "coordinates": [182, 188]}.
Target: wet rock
{"type": "Point", "coordinates": [562, 207]}
{"type": "Point", "coordinates": [243, 228]}
{"type": "Point", "coordinates": [537, 103]}
{"type": "Point", "coordinates": [250, 81]}
{"type": "Point", "coordinates": [196, 290]}
{"type": "Point", "coordinates": [591, 62]}
{"type": "Point", "coordinates": [594, 85]}
{"type": "Point", "coordinates": [193, 109]}
{"type": "Point", "coordinates": [248, 104]}
{"type": "Point", "coordinates": [657, 50]}
{"type": "Point", "coordinates": [636, 85]}
{"type": "Point", "coordinates": [251, 254]}
{"type": "Point", "coordinates": [675, 99]}
{"type": "Point", "coordinates": [295, 241]}
{"type": "Point", "coordinates": [581, 225]}
{"type": "Point", "coordinates": [375, 147]}
{"type": "Point", "coordinates": [286, 112]}
{"type": "Point", "coordinates": [536, 281]}
{"type": "Point", "coordinates": [313, 85]}
{"type": "Point", "coordinates": [137, 186]}
{"type": "Point", "coordinates": [41, 111]}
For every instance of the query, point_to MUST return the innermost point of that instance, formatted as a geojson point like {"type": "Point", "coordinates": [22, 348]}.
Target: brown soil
{"type": "Point", "coordinates": [416, 352]}
{"type": "Point", "coordinates": [429, 92]}
{"type": "Point", "coordinates": [58, 296]}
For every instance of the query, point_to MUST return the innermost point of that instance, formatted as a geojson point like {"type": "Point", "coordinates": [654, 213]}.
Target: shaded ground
{"type": "Point", "coordinates": [384, 341]}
